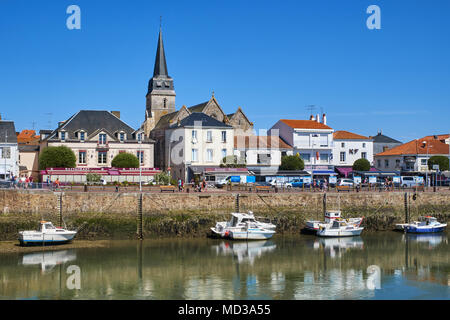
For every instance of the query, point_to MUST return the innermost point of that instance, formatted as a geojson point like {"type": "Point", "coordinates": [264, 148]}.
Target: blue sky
{"type": "Point", "coordinates": [272, 58]}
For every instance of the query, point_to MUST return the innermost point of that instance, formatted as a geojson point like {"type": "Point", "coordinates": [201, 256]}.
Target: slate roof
{"type": "Point", "coordinates": [7, 132]}
{"type": "Point", "coordinates": [91, 121]}
{"type": "Point", "coordinates": [380, 138]}
{"type": "Point", "coordinates": [198, 107]}
{"type": "Point", "coordinates": [305, 124]}
{"type": "Point", "coordinates": [160, 60]}
{"type": "Point", "coordinates": [206, 121]}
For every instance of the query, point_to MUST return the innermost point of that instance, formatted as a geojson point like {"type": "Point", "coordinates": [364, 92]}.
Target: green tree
{"type": "Point", "coordinates": [442, 161]}
{"type": "Point", "coordinates": [162, 178]}
{"type": "Point", "coordinates": [292, 163]}
{"type": "Point", "coordinates": [125, 160]}
{"type": "Point", "coordinates": [361, 165]}
{"type": "Point", "coordinates": [233, 162]}
{"type": "Point", "coordinates": [57, 157]}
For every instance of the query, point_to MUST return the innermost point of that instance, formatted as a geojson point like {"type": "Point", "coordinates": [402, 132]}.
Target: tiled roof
{"type": "Point", "coordinates": [345, 135]}
{"type": "Point", "coordinates": [305, 124]}
{"type": "Point", "coordinates": [260, 142]}
{"type": "Point", "coordinates": [432, 146]}
{"type": "Point", "coordinates": [27, 137]}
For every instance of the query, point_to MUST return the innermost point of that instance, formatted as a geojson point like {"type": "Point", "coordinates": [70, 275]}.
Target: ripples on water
{"type": "Point", "coordinates": [374, 266]}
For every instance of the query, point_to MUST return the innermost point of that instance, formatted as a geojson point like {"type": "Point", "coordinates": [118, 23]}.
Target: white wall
{"type": "Point", "coordinates": [351, 158]}
{"type": "Point", "coordinates": [12, 162]}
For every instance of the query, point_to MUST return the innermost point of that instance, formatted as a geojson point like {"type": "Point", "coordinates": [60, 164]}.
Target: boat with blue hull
{"type": "Point", "coordinates": [429, 225]}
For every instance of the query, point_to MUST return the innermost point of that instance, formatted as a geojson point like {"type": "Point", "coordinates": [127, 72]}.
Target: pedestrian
{"type": "Point", "coordinates": [57, 183]}
{"type": "Point", "coordinates": [179, 185]}
{"type": "Point", "coordinates": [27, 182]}
{"type": "Point", "coordinates": [204, 184]}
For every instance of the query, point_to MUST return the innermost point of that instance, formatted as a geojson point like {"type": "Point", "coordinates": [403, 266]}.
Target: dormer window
{"type": "Point", "coordinates": [139, 137]}
{"type": "Point", "coordinates": [102, 138]}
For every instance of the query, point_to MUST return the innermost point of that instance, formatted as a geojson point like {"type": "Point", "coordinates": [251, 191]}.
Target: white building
{"type": "Point", "coordinates": [349, 147]}
{"type": "Point", "coordinates": [9, 150]}
{"type": "Point", "coordinates": [195, 143]}
{"type": "Point", "coordinates": [311, 139]}
{"type": "Point", "coordinates": [261, 151]}
{"type": "Point", "coordinates": [413, 156]}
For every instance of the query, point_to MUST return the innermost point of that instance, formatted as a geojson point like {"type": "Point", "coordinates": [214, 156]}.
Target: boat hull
{"type": "Point", "coordinates": [251, 235]}
{"type": "Point", "coordinates": [339, 233]}
{"type": "Point", "coordinates": [51, 238]}
{"type": "Point", "coordinates": [412, 229]}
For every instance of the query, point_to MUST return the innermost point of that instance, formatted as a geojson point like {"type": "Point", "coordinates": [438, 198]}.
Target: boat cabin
{"type": "Point", "coordinates": [331, 215]}
{"type": "Point", "coordinates": [241, 219]}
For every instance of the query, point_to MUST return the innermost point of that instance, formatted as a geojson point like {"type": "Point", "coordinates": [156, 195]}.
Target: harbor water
{"type": "Point", "coordinates": [383, 265]}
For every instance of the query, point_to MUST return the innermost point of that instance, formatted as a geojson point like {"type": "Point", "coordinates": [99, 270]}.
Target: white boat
{"type": "Point", "coordinates": [47, 233]}
{"type": "Point", "coordinates": [330, 216]}
{"type": "Point", "coordinates": [251, 231]}
{"type": "Point", "coordinates": [237, 222]}
{"type": "Point", "coordinates": [340, 228]}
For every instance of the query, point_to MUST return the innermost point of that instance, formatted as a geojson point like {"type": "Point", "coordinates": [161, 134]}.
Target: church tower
{"type": "Point", "coordinates": [161, 92]}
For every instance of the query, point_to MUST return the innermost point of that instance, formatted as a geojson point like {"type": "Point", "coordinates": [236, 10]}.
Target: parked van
{"type": "Point", "coordinates": [234, 179]}
{"type": "Point", "coordinates": [408, 182]}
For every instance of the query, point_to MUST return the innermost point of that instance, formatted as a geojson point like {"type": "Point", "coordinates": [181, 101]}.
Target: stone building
{"type": "Point", "coordinates": [161, 113]}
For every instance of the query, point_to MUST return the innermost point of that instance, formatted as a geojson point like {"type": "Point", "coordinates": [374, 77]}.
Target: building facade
{"type": "Point", "coordinates": [196, 143]}
{"type": "Point", "coordinates": [349, 147]}
{"type": "Point", "coordinates": [9, 150]}
{"type": "Point", "coordinates": [28, 143]}
{"type": "Point", "coordinates": [96, 137]}
{"type": "Point", "coordinates": [413, 156]}
{"type": "Point", "coordinates": [382, 142]}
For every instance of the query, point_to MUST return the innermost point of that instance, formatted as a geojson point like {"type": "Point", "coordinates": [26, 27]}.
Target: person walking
{"type": "Point", "coordinates": [179, 185]}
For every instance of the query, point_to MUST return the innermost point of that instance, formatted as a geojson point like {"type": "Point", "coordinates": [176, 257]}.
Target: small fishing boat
{"type": "Point", "coordinates": [429, 225]}
{"type": "Point", "coordinates": [340, 228]}
{"type": "Point", "coordinates": [251, 231]}
{"type": "Point", "coordinates": [237, 222]}
{"type": "Point", "coordinates": [46, 233]}
{"type": "Point", "coordinates": [330, 216]}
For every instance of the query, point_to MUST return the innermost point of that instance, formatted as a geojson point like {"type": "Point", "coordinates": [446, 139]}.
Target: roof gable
{"type": "Point", "coordinates": [431, 146]}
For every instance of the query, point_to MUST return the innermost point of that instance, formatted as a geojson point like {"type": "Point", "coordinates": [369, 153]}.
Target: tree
{"type": "Point", "coordinates": [292, 163]}
{"type": "Point", "coordinates": [233, 162]}
{"type": "Point", "coordinates": [125, 160]}
{"type": "Point", "coordinates": [442, 161]}
{"type": "Point", "coordinates": [361, 165]}
{"type": "Point", "coordinates": [57, 157]}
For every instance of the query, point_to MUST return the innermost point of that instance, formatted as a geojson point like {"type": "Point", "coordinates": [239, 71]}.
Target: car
{"type": "Point", "coordinates": [298, 183]}
{"type": "Point", "coordinates": [446, 182]}
{"type": "Point", "coordinates": [346, 182]}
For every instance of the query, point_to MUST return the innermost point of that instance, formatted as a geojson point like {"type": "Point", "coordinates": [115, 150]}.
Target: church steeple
{"type": "Point", "coordinates": [161, 92]}
{"type": "Point", "coordinates": [160, 69]}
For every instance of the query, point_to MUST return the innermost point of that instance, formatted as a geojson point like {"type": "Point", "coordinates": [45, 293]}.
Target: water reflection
{"type": "Point", "coordinates": [374, 266]}
{"type": "Point", "coordinates": [431, 239]}
{"type": "Point", "coordinates": [336, 247]}
{"type": "Point", "coordinates": [246, 251]}
{"type": "Point", "coordinates": [48, 259]}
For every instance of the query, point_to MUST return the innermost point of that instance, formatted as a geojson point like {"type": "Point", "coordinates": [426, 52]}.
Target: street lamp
{"type": "Point", "coordinates": [140, 157]}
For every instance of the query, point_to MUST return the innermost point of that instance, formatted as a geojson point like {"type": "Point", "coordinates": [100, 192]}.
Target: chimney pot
{"type": "Point", "coordinates": [324, 119]}
{"type": "Point", "coordinates": [318, 118]}
{"type": "Point", "coordinates": [116, 113]}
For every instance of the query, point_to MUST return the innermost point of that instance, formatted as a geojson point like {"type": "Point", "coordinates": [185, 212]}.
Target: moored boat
{"type": "Point", "coordinates": [46, 233]}
{"type": "Point", "coordinates": [340, 228]}
{"type": "Point", "coordinates": [429, 225]}
{"type": "Point", "coordinates": [330, 216]}
{"type": "Point", "coordinates": [237, 222]}
{"type": "Point", "coordinates": [251, 231]}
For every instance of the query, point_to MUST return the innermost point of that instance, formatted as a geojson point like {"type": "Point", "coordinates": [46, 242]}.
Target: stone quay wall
{"type": "Point", "coordinates": [115, 215]}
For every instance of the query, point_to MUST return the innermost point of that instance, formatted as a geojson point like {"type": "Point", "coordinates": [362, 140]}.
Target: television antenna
{"type": "Point", "coordinates": [49, 124]}
{"type": "Point", "coordinates": [311, 108]}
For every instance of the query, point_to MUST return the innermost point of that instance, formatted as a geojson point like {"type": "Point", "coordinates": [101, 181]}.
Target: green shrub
{"type": "Point", "coordinates": [442, 161]}
{"type": "Point", "coordinates": [57, 157]}
{"type": "Point", "coordinates": [125, 160]}
{"type": "Point", "coordinates": [292, 163]}
{"type": "Point", "coordinates": [361, 165]}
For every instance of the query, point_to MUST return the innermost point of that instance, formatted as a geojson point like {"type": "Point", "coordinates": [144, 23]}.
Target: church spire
{"type": "Point", "coordinates": [160, 60]}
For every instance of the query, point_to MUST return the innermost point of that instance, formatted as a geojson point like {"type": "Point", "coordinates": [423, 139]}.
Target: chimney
{"type": "Point", "coordinates": [318, 118]}
{"type": "Point", "coordinates": [0, 117]}
{"type": "Point", "coordinates": [324, 119]}
{"type": "Point", "coordinates": [116, 113]}
{"type": "Point", "coordinates": [311, 118]}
